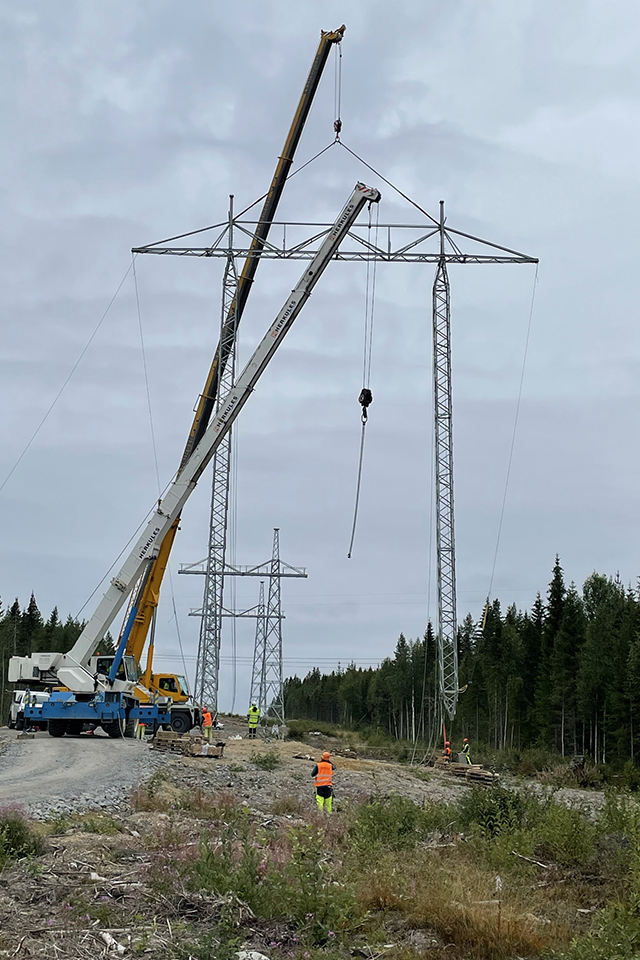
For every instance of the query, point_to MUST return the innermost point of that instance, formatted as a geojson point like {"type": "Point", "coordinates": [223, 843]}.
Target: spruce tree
{"type": "Point", "coordinates": [544, 680]}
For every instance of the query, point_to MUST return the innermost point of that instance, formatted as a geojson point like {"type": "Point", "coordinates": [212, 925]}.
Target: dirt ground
{"type": "Point", "coordinates": [89, 891]}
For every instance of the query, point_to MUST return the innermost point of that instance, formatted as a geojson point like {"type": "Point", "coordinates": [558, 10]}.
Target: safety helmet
{"type": "Point", "coordinates": [447, 744]}
{"type": "Point", "coordinates": [325, 755]}
{"type": "Point", "coordinates": [466, 740]}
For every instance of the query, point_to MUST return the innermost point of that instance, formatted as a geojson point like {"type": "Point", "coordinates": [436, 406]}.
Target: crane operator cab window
{"type": "Point", "coordinates": [168, 685]}
{"type": "Point", "coordinates": [184, 686]}
{"type": "Point", "coordinates": [126, 671]}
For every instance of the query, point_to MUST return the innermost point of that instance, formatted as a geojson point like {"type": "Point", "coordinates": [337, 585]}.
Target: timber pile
{"type": "Point", "coordinates": [473, 772]}
{"type": "Point", "coordinates": [170, 742]}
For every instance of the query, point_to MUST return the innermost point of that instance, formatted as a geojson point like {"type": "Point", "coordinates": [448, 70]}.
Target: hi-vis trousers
{"type": "Point", "coordinates": [324, 798]}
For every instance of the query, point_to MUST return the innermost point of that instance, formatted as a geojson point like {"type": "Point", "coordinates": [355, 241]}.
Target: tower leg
{"type": "Point", "coordinates": [208, 662]}
{"type": "Point", "coordinates": [445, 532]}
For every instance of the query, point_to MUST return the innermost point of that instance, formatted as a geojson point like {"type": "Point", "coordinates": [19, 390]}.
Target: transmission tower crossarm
{"type": "Point", "coordinates": [169, 508]}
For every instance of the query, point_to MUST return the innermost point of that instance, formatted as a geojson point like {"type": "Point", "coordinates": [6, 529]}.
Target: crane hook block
{"type": "Point", "coordinates": [365, 398]}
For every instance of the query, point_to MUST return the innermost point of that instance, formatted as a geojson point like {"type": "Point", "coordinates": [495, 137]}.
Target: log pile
{"type": "Point", "coordinates": [170, 742]}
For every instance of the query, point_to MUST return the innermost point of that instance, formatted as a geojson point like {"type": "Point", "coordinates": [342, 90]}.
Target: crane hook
{"type": "Point", "coordinates": [365, 398]}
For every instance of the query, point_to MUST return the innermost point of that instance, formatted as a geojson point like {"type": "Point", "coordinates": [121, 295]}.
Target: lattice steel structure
{"type": "Point", "coordinates": [273, 569]}
{"type": "Point", "coordinates": [208, 661]}
{"type": "Point", "coordinates": [445, 527]}
{"type": "Point", "coordinates": [434, 242]}
{"type": "Point", "coordinates": [272, 679]}
{"type": "Point", "coordinates": [257, 669]}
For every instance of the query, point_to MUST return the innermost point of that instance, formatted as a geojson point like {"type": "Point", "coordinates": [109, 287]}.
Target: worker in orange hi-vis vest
{"type": "Point", "coordinates": [207, 724]}
{"type": "Point", "coordinates": [446, 753]}
{"type": "Point", "coordinates": [323, 777]}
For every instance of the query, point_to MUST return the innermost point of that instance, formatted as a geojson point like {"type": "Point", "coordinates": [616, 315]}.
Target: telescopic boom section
{"type": "Point", "coordinates": [206, 403]}
{"type": "Point", "coordinates": [207, 400]}
{"type": "Point", "coordinates": [146, 547]}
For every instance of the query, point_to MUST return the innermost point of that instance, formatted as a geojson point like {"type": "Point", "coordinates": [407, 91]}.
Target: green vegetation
{"type": "Point", "coordinates": [17, 837]}
{"type": "Point", "coordinates": [386, 870]}
{"type": "Point", "coordinates": [560, 680]}
{"type": "Point", "coordinates": [269, 760]}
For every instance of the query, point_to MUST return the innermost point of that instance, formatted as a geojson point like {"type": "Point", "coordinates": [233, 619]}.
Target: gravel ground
{"type": "Point", "coordinates": [54, 777]}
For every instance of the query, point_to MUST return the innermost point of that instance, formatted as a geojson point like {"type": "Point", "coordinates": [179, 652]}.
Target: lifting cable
{"type": "Point", "coordinates": [366, 397]}
{"type": "Point", "coordinates": [64, 385]}
{"type": "Point", "coordinates": [513, 437]}
{"type": "Point", "coordinates": [337, 91]}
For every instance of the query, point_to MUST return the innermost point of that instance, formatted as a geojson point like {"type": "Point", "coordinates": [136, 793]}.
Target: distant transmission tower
{"type": "Point", "coordinates": [267, 655]}
{"type": "Point", "coordinates": [258, 653]}
{"type": "Point", "coordinates": [268, 665]}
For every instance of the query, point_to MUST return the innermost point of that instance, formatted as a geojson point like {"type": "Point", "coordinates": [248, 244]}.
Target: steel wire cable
{"type": "Point", "coordinates": [369, 311]}
{"type": "Point", "coordinates": [70, 375]}
{"type": "Point", "coordinates": [514, 432]}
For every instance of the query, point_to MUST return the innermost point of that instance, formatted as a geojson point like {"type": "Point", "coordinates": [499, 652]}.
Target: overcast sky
{"type": "Point", "coordinates": [126, 121]}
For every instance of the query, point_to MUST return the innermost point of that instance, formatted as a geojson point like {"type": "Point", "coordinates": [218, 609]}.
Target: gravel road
{"type": "Point", "coordinates": [50, 777]}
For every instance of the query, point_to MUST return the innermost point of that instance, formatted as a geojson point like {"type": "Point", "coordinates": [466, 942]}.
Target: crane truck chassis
{"type": "Point", "coordinates": [109, 700]}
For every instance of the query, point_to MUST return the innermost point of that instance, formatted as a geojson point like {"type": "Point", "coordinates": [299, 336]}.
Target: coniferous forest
{"type": "Point", "coordinates": [23, 632]}
{"type": "Point", "coordinates": [564, 675]}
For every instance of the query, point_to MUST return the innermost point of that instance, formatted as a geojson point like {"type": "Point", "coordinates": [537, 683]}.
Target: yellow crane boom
{"type": "Point", "coordinates": [151, 586]}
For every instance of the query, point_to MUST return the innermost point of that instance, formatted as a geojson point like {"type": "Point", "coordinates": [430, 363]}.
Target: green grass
{"type": "Point", "coordinates": [17, 837]}
{"type": "Point", "coordinates": [380, 868]}
{"type": "Point", "coordinates": [269, 760]}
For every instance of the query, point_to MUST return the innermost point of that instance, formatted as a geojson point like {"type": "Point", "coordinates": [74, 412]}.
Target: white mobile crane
{"type": "Point", "coordinates": [108, 699]}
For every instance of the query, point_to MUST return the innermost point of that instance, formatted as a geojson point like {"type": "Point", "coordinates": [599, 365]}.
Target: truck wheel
{"type": "Point", "coordinates": [57, 728]}
{"type": "Point", "coordinates": [74, 727]}
{"type": "Point", "coordinates": [115, 728]}
{"type": "Point", "coordinates": [131, 729]}
{"type": "Point", "coordinates": [180, 723]}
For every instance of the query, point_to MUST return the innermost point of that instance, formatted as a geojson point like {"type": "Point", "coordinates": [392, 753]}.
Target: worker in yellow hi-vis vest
{"type": "Point", "coordinates": [253, 718]}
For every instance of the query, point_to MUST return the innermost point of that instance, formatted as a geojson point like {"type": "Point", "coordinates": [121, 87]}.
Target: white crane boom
{"type": "Point", "coordinates": [71, 668]}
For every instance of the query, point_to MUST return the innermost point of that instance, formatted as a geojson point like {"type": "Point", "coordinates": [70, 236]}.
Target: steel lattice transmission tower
{"type": "Point", "coordinates": [400, 243]}
{"type": "Point", "coordinates": [445, 527]}
{"type": "Point", "coordinates": [268, 660]}
{"type": "Point", "coordinates": [257, 685]}
{"type": "Point", "coordinates": [208, 661]}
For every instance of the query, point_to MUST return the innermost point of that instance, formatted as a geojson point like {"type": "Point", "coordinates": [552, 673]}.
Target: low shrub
{"type": "Point", "coordinates": [394, 823]}
{"type": "Point", "coordinates": [289, 805]}
{"type": "Point", "coordinates": [270, 760]}
{"type": "Point", "coordinates": [300, 729]}
{"type": "Point", "coordinates": [17, 837]}
{"type": "Point", "coordinates": [490, 812]}
{"type": "Point", "coordinates": [615, 935]}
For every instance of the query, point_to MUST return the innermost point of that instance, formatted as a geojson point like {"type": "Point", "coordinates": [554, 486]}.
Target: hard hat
{"type": "Point", "coordinates": [447, 744]}
{"type": "Point", "coordinates": [466, 740]}
{"type": "Point", "coordinates": [325, 755]}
